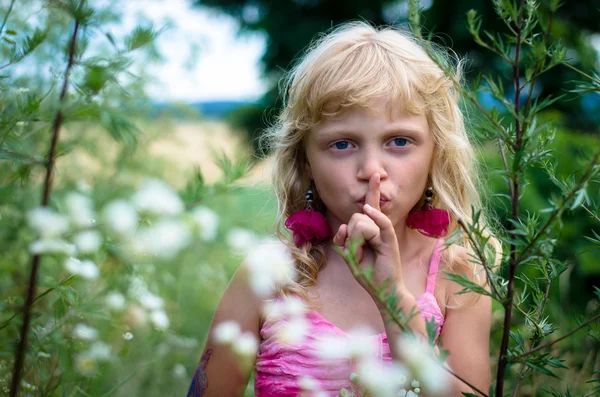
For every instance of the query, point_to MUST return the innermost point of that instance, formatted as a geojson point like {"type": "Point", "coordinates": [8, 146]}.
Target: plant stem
{"type": "Point", "coordinates": [481, 258]}
{"type": "Point", "coordinates": [535, 339]}
{"type": "Point", "coordinates": [581, 72]}
{"type": "Point", "coordinates": [464, 381]}
{"type": "Point", "coordinates": [10, 7]}
{"type": "Point", "coordinates": [502, 361]}
{"type": "Point", "coordinates": [22, 345]}
{"type": "Point", "coordinates": [568, 197]}
{"type": "Point", "coordinates": [542, 347]}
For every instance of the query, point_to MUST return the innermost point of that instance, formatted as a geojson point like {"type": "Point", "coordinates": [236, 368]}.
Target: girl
{"type": "Point", "coordinates": [371, 145]}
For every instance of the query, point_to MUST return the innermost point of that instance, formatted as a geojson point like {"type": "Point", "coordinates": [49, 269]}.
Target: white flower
{"type": "Point", "coordinates": [127, 336]}
{"type": "Point", "coordinates": [423, 364]}
{"type": "Point", "coordinates": [89, 270]}
{"type": "Point", "coordinates": [85, 364]}
{"type": "Point", "coordinates": [290, 306]}
{"type": "Point", "coordinates": [151, 301]}
{"type": "Point", "coordinates": [72, 265]}
{"type": "Point", "coordinates": [159, 319]}
{"type": "Point", "coordinates": [44, 355]}
{"type": "Point", "coordinates": [226, 332]}
{"type": "Point", "coordinates": [179, 371]}
{"type": "Point", "coordinates": [87, 241]}
{"type": "Point", "coordinates": [293, 331]}
{"type": "Point", "coordinates": [80, 209]}
{"type": "Point", "coordinates": [137, 288]}
{"type": "Point", "coordinates": [115, 300]}
{"type": "Point", "coordinates": [270, 264]}
{"type": "Point", "coordinates": [333, 347]}
{"type": "Point", "coordinates": [27, 386]}
{"type": "Point", "coordinates": [52, 246]}
{"type": "Point", "coordinates": [381, 380]}
{"type": "Point", "coordinates": [84, 332]}
{"type": "Point", "coordinates": [246, 345]}
{"type": "Point", "coordinates": [47, 222]}
{"type": "Point", "coordinates": [241, 240]}
{"type": "Point", "coordinates": [401, 393]}
{"type": "Point", "coordinates": [164, 239]}
{"type": "Point", "coordinates": [208, 222]}
{"type": "Point", "coordinates": [158, 198]}
{"type": "Point", "coordinates": [135, 316]}
{"type": "Point", "coordinates": [100, 351]}
{"type": "Point", "coordinates": [120, 217]}
{"type": "Point", "coordinates": [414, 383]}
{"type": "Point", "coordinates": [411, 393]}
{"type": "Point", "coordinates": [86, 268]}
{"type": "Point", "coordinates": [307, 383]}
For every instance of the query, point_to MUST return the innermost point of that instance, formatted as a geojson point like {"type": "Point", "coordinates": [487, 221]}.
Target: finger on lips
{"type": "Point", "coordinates": [373, 193]}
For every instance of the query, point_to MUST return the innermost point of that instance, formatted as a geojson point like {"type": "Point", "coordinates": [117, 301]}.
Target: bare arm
{"type": "Point", "coordinates": [466, 334]}
{"type": "Point", "coordinates": [218, 373]}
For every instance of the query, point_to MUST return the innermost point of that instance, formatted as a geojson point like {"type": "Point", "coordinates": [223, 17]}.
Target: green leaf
{"type": "Point", "coordinates": [541, 369]}
{"type": "Point", "coordinates": [463, 281]}
{"type": "Point", "coordinates": [140, 37]}
{"type": "Point", "coordinates": [11, 32]}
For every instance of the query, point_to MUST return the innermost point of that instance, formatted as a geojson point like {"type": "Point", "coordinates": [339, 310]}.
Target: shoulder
{"type": "Point", "coordinates": [459, 261]}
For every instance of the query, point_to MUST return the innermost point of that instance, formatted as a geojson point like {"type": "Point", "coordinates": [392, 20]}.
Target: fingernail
{"type": "Point", "coordinates": [367, 206]}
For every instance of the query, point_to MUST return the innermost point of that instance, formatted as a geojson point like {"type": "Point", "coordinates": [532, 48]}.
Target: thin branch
{"type": "Point", "coordinates": [481, 258]}
{"type": "Point", "coordinates": [464, 381]}
{"type": "Point", "coordinates": [542, 347]}
{"type": "Point", "coordinates": [10, 7]}
{"type": "Point", "coordinates": [503, 155]}
{"type": "Point", "coordinates": [536, 71]}
{"type": "Point", "coordinates": [591, 212]}
{"type": "Point", "coordinates": [581, 72]}
{"type": "Point", "coordinates": [568, 197]}
{"type": "Point", "coordinates": [535, 339]}
{"type": "Point", "coordinates": [22, 345]}
{"type": "Point", "coordinates": [502, 362]}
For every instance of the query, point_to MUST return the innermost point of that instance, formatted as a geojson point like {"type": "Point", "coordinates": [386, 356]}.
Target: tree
{"type": "Point", "coordinates": [290, 25]}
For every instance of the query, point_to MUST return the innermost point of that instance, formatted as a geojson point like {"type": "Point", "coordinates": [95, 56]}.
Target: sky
{"type": "Point", "coordinates": [227, 66]}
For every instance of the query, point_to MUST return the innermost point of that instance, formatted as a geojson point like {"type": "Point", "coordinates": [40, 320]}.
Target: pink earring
{"type": "Point", "coordinates": [308, 225]}
{"type": "Point", "coordinates": [432, 222]}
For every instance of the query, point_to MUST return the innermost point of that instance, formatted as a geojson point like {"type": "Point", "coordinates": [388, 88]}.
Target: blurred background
{"type": "Point", "coordinates": [205, 86]}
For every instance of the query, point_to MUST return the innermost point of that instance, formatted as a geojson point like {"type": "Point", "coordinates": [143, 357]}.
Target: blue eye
{"type": "Point", "coordinates": [400, 141]}
{"type": "Point", "coordinates": [341, 145]}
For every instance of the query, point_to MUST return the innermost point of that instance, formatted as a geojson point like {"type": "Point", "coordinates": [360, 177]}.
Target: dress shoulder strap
{"type": "Point", "coordinates": [434, 265]}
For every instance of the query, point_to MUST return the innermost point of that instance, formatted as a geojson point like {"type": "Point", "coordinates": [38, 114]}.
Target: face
{"type": "Point", "coordinates": [344, 152]}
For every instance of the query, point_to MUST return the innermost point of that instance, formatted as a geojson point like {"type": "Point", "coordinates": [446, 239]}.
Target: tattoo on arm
{"type": "Point", "coordinates": [200, 381]}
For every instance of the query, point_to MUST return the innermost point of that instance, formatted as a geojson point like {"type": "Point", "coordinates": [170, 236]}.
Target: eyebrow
{"type": "Point", "coordinates": [395, 130]}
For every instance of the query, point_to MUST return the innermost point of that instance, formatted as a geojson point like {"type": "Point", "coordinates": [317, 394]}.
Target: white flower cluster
{"type": "Point", "coordinates": [50, 227]}
{"type": "Point", "coordinates": [151, 307]}
{"type": "Point", "coordinates": [421, 361]}
{"type": "Point", "coordinates": [244, 345]}
{"type": "Point", "coordinates": [170, 229]}
{"type": "Point", "coordinates": [291, 311]}
{"type": "Point", "coordinates": [87, 361]}
{"type": "Point", "coordinates": [169, 232]}
{"type": "Point", "coordinates": [269, 265]}
{"type": "Point", "coordinates": [386, 379]}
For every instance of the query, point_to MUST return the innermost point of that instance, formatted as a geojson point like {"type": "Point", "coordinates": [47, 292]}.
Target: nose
{"type": "Point", "coordinates": [371, 162]}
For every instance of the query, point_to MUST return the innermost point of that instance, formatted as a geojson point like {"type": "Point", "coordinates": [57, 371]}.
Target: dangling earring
{"type": "Point", "coordinates": [432, 222]}
{"type": "Point", "coordinates": [307, 224]}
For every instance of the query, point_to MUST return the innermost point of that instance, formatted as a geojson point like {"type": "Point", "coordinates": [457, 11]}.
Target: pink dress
{"type": "Point", "coordinates": [280, 366]}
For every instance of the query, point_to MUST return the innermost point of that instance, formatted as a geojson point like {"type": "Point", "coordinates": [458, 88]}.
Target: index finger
{"type": "Point", "coordinates": [373, 194]}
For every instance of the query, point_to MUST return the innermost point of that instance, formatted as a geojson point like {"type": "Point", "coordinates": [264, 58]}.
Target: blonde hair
{"type": "Point", "coordinates": [355, 64]}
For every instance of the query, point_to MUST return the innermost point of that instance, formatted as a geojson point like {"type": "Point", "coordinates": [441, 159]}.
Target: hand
{"type": "Point", "coordinates": [376, 230]}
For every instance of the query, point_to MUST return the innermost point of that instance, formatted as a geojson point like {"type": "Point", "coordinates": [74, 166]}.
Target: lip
{"type": "Point", "coordinates": [382, 203]}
